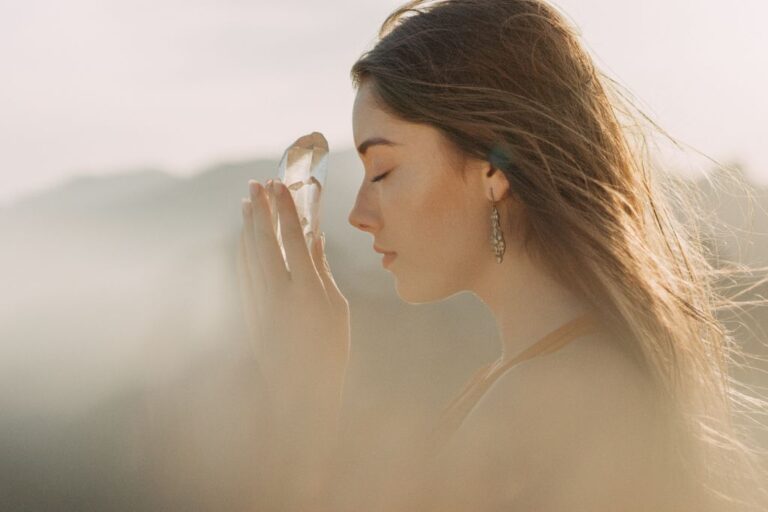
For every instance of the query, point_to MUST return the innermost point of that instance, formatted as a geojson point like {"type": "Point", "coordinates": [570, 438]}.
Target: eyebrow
{"type": "Point", "coordinates": [375, 141]}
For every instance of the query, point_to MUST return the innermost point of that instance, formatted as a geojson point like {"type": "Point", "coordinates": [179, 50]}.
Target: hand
{"type": "Point", "coordinates": [298, 320]}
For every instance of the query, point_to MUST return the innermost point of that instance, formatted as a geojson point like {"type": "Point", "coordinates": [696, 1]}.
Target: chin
{"type": "Point", "coordinates": [423, 293]}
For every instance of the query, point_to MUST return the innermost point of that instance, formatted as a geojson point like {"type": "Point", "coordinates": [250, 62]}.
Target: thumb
{"type": "Point", "coordinates": [323, 269]}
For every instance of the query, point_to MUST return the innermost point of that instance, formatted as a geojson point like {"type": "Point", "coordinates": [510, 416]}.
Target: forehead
{"type": "Point", "coordinates": [369, 120]}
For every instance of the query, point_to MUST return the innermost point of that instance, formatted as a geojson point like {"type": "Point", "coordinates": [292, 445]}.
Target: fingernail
{"type": "Point", "coordinates": [278, 187]}
{"type": "Point", "coordinates": [255, 187]}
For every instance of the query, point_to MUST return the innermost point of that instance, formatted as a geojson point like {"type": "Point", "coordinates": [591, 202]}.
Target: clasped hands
{"type": "Point", "coordinates": [298, 319]}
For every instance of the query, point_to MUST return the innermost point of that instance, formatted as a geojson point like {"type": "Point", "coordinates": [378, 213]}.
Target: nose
{"type": "Point", "coordinates": [364, 215]}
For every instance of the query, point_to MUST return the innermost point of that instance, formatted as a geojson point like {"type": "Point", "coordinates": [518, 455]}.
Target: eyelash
{"type": "Point", "coordinates": [379, 177]}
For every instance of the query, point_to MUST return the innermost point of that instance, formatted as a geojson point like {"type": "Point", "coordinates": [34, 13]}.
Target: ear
{"type": "Point", "coordinates": [495, 183]}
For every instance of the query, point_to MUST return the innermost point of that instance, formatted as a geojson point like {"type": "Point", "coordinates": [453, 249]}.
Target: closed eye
{"type": "Point", "coordinates": [379, 177]}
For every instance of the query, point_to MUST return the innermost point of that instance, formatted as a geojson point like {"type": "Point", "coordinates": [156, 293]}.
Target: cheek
{"type": "Point", "coordinates": [445, 222]}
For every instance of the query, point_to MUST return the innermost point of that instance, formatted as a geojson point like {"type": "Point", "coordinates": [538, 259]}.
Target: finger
{"type": "Point", "coordinates": [315, 249]}
{"type": "Point", "coordinates": [324, 270]}
{"type": "Point", "coordinates": [250, 254]}
{"type": "Point", "coordinates": [292, 233]}
{"type": "Point", "coordinates": [265, 245]}
{"type": "Point", "coordinates": [248, 283]}
{"type": "Point", "coordinates": [248, 299]}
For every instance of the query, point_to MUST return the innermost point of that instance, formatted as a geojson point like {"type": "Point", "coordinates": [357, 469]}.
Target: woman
{"type": "Point", "coordinates": [496, 163]}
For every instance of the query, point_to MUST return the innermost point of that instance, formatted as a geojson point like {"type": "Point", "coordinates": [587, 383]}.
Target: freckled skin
{"type": "Point", "coordinates": [438, 224]}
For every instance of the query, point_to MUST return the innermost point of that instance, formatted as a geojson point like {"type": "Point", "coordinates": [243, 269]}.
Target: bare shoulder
{"type": "Point", "coordinates": [575, 387]}
{"type": "Point", "coordinates": [576, 418]}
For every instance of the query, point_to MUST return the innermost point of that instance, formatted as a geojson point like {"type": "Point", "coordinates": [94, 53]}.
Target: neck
{"type": "Point", "coordinates": [526, 303]}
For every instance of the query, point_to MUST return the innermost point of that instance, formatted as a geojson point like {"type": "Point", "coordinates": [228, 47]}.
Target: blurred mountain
{"type": "Point", "coordinates": [81, 194]}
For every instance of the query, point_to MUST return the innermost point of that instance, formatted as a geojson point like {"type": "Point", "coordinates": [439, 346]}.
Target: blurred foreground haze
{"type": "Point", "coordinates": [127, 381]}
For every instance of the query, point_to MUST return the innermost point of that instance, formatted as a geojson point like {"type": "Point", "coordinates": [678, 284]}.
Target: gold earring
{"type": "Point", "coordinates": [497, 237]}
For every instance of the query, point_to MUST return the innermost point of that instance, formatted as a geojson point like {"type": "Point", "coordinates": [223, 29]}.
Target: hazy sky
{"type": "Point", "coordinates": [103, 86]}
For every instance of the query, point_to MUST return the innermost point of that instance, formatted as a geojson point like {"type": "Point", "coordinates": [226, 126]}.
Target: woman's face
{"type": "Point", "coordinates": [437, 224]}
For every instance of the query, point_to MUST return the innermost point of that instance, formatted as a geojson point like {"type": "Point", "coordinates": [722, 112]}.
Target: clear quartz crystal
{"type": "Point", "coordinates": [303, 169]}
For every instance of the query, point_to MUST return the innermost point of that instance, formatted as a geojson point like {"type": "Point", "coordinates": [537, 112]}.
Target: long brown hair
{"type": "Point", "coordinates": [508, 81]}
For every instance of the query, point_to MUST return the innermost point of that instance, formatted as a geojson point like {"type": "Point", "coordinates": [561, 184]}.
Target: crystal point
{"type": "Point", "coordinates": [303, 169]}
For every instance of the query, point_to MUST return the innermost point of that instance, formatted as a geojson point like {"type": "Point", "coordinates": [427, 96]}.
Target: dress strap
{"type": "Point", "coordinates": [457, 410]}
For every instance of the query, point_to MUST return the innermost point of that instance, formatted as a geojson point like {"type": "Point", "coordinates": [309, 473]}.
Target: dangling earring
{"type": "Point", "coordinates": [497, 237]}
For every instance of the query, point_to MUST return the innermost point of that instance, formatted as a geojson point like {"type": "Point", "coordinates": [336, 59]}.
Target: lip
{"type": "Point", "coordinates": [382, 251]}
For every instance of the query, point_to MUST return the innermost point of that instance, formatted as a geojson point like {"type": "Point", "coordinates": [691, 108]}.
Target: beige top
{"type": "Point", "coordinates": [454, 414]}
